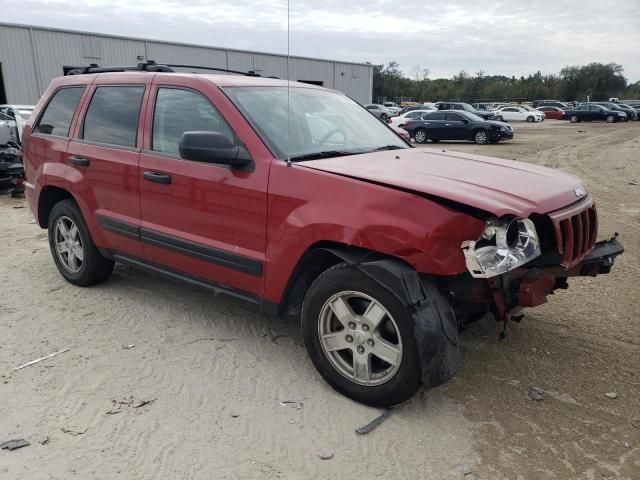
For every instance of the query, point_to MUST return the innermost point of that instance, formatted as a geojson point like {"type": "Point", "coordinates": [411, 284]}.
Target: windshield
{"type": "Point", "coordinates": [305, 123]}
{"type": "Point", "coordinates": [25, 112]}
{"type": "Point", "coordinates": [467, 107]}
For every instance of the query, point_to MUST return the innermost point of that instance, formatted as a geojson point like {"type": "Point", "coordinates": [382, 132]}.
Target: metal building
{"type": "Point", "coordinates": [30, 57]}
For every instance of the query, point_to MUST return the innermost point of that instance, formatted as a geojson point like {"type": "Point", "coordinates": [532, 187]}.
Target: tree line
{"type": "Point", "coordinates": [597, 81]}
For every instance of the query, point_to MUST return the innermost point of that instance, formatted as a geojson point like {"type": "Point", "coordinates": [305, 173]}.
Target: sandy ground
{"type": "Point", "coordinates": [217, 373]}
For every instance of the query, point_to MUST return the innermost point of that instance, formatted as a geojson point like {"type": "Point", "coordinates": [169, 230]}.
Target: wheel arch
{"type": "Point", "coordinates": [326, 254]}
{"type": "Point", "coordinates": [49, 196]}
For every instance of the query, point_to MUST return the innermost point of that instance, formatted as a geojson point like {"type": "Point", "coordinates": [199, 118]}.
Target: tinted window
{"type": "Point", "coordinates": [56, 118]}
{"type": "Point", "coordinates": [371, 107]}
{"type": "Point", "coordinates": [112, 116]}
{"type": "Point", "coordinates": [434, 116]}
{"type": "Point", "coordinates": [178, 111]}
{"type": "Point", "coordinates": [455, 117]}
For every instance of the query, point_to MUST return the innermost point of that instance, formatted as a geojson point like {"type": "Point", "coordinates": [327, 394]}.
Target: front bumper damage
{"type": "Point", "coordinates": [506, 295]}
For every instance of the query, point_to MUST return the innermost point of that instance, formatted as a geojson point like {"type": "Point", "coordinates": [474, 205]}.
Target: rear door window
{"type": "Point", "coordinates": [57, 116]}
{"type": "Point", "coordinates": [112, 116]}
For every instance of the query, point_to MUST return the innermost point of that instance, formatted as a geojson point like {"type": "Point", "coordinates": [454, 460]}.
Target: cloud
{"type": "Point", "coordinates": [446, 36]}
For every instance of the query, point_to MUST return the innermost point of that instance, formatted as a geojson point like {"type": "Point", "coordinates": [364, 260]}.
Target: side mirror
{"type": "Point", "coordinates": [465, 121]}
{"type": "Point", "coordinates": [213, 147]}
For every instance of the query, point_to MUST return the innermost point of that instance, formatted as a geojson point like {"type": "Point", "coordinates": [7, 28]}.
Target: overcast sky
{"type": "Point", "coordinates": [511, 37]}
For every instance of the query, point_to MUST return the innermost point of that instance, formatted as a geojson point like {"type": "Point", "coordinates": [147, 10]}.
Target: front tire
{"type": "Point", "coordinates": [361, 338]}
{"type": "Point", "coordinates": [610, 119]}
{"type": "Point", "coordinates": [481, 137]}
{"type": "Point", "coordinates": [74, 253]}
{"type": "Point", "coordinates": [530, 119]}
{"type": "Point", "coordinates": [573, 119]}
{"type": "Point", "coordinates": [421, 136]}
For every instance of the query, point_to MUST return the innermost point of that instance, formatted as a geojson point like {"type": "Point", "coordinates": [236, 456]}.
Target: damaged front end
{"type": "Point", "coordinates": [517, 263]}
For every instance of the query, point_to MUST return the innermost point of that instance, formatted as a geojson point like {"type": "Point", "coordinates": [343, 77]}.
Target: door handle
{"type": "Point", "coordinates": [79, 161]}
{"type": "Point", "coordinates": [157, 177]}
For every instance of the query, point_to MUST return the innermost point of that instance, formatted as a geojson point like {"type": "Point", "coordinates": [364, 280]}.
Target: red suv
{"type": "Point", "coordinates": [298, 201]}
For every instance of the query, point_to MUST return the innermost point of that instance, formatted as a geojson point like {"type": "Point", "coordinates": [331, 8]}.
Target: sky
{"type": "Point", "coordinates": [510, 37]}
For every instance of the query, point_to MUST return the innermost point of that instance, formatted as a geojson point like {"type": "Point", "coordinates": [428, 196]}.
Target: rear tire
{"type": "Point", "coordinates": [345, 351]}
{"type": "Point", "coordinates": [574, 119]}
{"type": "Point", "coordinates": [74, 253]}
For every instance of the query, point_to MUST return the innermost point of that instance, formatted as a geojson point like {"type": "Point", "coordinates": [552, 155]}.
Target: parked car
{"type": "Point", "coordinates": [11, 171]}
{"type": "Point", "coordinates": [400, 120]}
{"type": "Point", "coordinates": [13, 127]}
{"type": "Point", "coordinates": [457, 125]}
{"type": "Point", "coordinates": [383, 250]}
{"type": "Point", "coordinates": [554, 113]}
{"type": "Point", "coordinates": [421, 106]}
{"type": "Point", "coordinates": [393, 108]}
{"type": "Point", "coordinates": [589, 112]}
{"type": "Point", "coordinates": [632, 114]}
{"type": "Point", "coordinates": [551, 103]}
{"type": "Point", "coordinates": [466, 108]}
{"type": "Point", "coordinates": [401, 132]}
{"type": "Point", "coordinates": [19, 113]}
{"type": "Point", "coordinates": [379, 111]}
{"type": "Point", "coordinates": [514, 113]}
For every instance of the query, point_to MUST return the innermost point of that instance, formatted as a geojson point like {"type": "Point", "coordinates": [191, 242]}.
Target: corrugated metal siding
{"type": "Point", "coordinates": [52, 50]}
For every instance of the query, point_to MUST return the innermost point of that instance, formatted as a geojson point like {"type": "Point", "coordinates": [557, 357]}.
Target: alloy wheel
{"type": "Point", "coordinates": [68, 244]}
{"type": "Point", "coordinates": [360, 338]}
{"type": "Point", "coordinates": [420, 136]}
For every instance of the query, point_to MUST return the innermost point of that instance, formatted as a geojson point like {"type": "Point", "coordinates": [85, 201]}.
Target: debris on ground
{"type": "Point", "coordinates": [466, 470]}
{"type": "Point", "coordinates": [611, 395]}
{"type": "Point", "coordinates": [14, 444]}
{"type": "Point", "coordinates": [32, 362]}
{"type": "Point", "coordinates": [375, 422]}
{"type": "Point", "coordinates": [292, 403]}
{"type": "Point", "coordinates": [128, 347]}
{"type": "Point", "coordinates": [536, 393]}
{"type": "Point", "coordinates": [45, 440]}
{"type": "Point", "coordinates": [130, 402]}
{"type": "Point", "coordinates": [142, 403]}
{"type": "Point", "coordinates": [635, 423]}
{"type": "Point", "coordinates": [74, 431]}
{"type": "Point", "coordinates": [325, 455]}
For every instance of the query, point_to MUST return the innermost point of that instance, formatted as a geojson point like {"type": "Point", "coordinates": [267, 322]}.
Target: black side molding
{"type": "Point", "coordinates": [184, 247]}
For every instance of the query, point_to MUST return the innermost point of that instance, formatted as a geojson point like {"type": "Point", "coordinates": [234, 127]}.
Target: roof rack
{"type": "Point", "coordinates": [152, 66]}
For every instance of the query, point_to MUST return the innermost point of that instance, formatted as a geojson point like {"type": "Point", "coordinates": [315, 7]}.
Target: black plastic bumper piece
{"type": "Point", "coordinates": [602, 256]}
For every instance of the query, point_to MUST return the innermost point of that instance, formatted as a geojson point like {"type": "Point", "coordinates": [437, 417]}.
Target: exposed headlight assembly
{"type": "Point", "coordinates": [505, 244]}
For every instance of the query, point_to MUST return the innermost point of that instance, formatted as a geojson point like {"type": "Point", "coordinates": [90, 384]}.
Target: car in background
{"type": "Point", "coordinates": [379, 111]}
{"type": "Point", "coordinates": [13, 127]}
{"type": "Point", "coordinates": [392, 107]}
{"type": "Point", "coordinates": [465, 107]}
{"type": "Point", "coordinates": [418, 106]}
{"type": "Point", "coordinates": [400, 120]}
{"type": "Point", "coordinates": [514, 113]}
{"type": "Point", "coordinates": [550, 103]}
{"type": "Point", "coordinates": [20, 114]}
{"type": "Point", "coordinates": [401, 132]}
{"type": "Point", "coordinates": [632, 114]}
{"type": "Point", "coordinates": [553, 113]}
{"type": "Point", "coordinates": [589, 112]}
{"type": "Point", "coordinates": [457, 125]}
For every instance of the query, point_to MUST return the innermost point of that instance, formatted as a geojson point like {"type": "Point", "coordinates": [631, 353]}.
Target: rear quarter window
{"type": "Point", "coordinates": [57, 115]}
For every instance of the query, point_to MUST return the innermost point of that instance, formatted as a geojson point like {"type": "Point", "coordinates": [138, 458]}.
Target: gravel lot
{"type": "Point", "coordinates": [217, 373]}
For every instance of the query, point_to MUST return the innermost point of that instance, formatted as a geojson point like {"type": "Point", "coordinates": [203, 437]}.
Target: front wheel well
{"type": "Point", "coordinates": [317, 259]}
{"type": "Point", "coordinates": [49, 196]}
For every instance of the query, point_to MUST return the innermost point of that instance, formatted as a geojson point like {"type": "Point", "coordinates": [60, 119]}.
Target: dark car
{"type": "Point", "coordinates": [450, 125]}
{"type": "Point", "coordinates": [551, 103]}
{"type": "Point", "coordinates": [589, 112]}
{"type": "Point", "coordinates": [465, 107]}
{"type": "Point", "coordinates": [631, 112]}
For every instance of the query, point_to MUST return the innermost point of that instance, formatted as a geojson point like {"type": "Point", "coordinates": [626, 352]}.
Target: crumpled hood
{"type": "Point", "coordinates": [494, 185]}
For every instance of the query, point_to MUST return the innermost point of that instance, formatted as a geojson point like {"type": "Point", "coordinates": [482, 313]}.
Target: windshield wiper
{"type": "Point", "coordinates": [324, 154]}
{"type": "Point", "coordinates": [388, 147]}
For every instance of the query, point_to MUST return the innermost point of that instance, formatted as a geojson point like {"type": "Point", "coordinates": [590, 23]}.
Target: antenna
{"type": "Point", "coordinates": [288, 80]}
